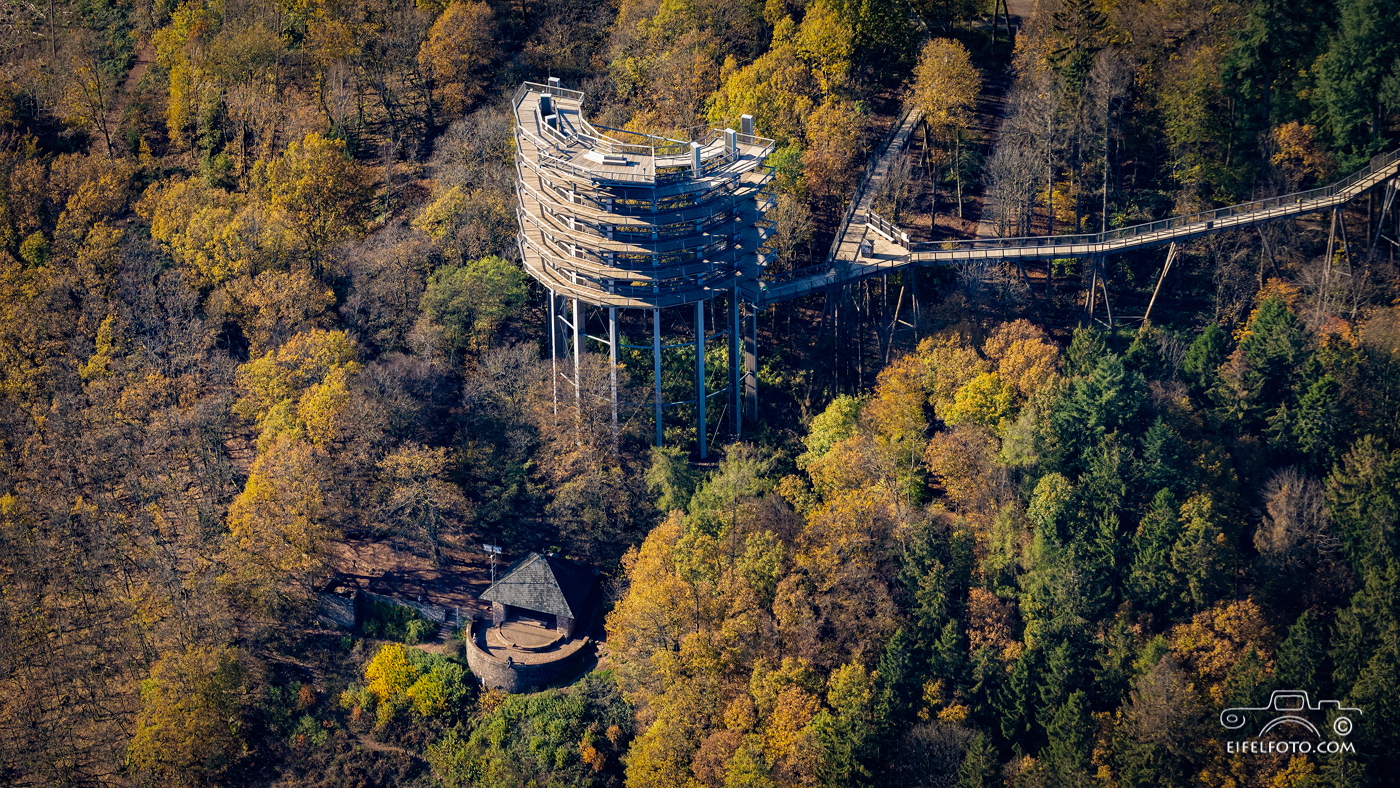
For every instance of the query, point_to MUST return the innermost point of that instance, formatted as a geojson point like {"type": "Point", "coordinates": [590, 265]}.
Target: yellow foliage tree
{"type": "Point", "coordinates": [963, 460]}
{"type": "Point", "coordinates": [218, 235]}
{"type": "Point", "coordinates": [275, 550]}
{"type": "Point", "coordinates": [1218, 640]}
{"type": "Point", "coordinates": [984, 400]}
{"type": "Point", "coordinates": [851, 464]}
{"type": "Point", "coordinates": [654, 615]}
{"type": "Point", "coordinates": [281, 376]}
{"type": "Point", "coordinates": [946, 86]}
{"type": "Point", "coordinates": [834, 144]}
{"type": "Point", "coordinates": [1025, 358]}
{"type": "Point", "coordinates": [839, 585]}
{"type": "Point", "coordinates": [457, 53]}
{"type": "Point", "coordinates": [950, 362]}
{"type": "Point", "coordinates": [826, 40]}
{"type": "Point", "coordinates": [274, 305]}
{"type": "Point", "coordinates": [187, 728]}
{"type": "Point", "coordinates": [320, 193]}
{"type": "Point", "coordinates": [778, 89]}
{"type": "Point", "coordinates": [182, 49]}
{"type": "Point", "coordinates": [389, 672]}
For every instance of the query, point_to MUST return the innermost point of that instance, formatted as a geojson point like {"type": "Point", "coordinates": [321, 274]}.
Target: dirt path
{"type": "Point", "coordinates": [378, 746]}
{"type": "Point", "coordinates": [991, 111]}
{"type": "Point", "coordinates": [113, 119]}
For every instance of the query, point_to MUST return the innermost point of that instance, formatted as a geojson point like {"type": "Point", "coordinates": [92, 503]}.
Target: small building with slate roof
{"type": "Point", "coordinates": [544, 586]}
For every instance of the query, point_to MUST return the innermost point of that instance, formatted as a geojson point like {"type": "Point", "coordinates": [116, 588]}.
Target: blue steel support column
{"type": "Point", "coordinates": [700, 373]}
{"type": "Point", "coordinates": [656, 369]}
{"type": "Point", "coordinates": [736, 420]}
{"type": "Point", "coordinates": [751, 364]}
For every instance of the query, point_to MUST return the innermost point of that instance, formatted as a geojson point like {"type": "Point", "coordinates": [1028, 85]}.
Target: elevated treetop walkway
{"type": "Point", "coordinates": [891, 249]}
{"type": "Point", "coordinates": [623, 221]}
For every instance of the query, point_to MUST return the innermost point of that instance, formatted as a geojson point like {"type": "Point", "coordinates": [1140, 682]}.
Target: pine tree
{"type": "Point", "coordinates": [1086, 347]}
{"type": "Point", "coordinates": [1015, 705]}
{"type": "Point", "coordinates": [1070, 733]}
{"type": "Point", "coordinates": [897, 679]}
{"type": "Point", "coordinates": [1151, 580]}
{"type": "Point", "coordinates": [979, 764]}
{"type": "Point", "coordinates": [1301, 659]}
{"type": "Point", "coordinates": [1363, 500]}
{"type": "Point", "coordinates": [1203, 358]}
{"type": "Point", "coordinates": [1059, 679]}
{"type": "Point", "coordinates": [1320, 423]}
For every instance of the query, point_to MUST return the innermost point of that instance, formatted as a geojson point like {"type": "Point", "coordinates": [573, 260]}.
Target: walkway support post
{"type": "Point", "coordinates": [656, 369]}
{"type": "Point", "coordinates": [578, 354]}
{"type": "Point", "coordinates": [554, 348]}
{"type": "Point", "coordinates": [1171, 255]}
{"type": "Point", "coordinates": [612, 361]}
{"type": "Point", "coordinates": [1327, 266]}
{"type": "Point", "coordinates": [1385, 210]}
{"type": "Point", "coordinates": [736, 418]}
{"type": "Point", "coordinates": [1092, 296]}
{"type": "Point", "coordinates": [1103, 282]}
{"type": "Point", "coordinates": [700, 376]}
{"type": "Point", "coordinates": [751, 366]}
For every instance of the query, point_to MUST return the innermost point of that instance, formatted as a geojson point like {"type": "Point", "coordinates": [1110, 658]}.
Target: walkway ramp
{"type": "Point", "coordinates": [869, 245]}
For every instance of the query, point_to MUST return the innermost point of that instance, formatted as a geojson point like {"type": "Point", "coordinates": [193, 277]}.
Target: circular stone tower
{"type": "Point", "coordinates": [617, 220]}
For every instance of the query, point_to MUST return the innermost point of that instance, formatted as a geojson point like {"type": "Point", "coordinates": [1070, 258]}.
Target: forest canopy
{"type": "Point", "coordinates": [260, 297]}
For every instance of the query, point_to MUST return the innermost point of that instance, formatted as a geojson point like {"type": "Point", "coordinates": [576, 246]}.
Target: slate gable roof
{"type": "Point", "coordinates": [544, 584]}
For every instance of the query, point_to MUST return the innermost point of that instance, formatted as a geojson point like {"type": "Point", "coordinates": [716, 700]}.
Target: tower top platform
{"type": "Point", "coordinates": [624, 219]}
{"type": "Point", "coordinates": [550, 120]}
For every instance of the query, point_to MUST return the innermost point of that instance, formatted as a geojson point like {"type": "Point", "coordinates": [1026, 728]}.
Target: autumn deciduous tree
{"type": "Point", "coordinates": [187, 729]}
{"type": "Point", "coordinates": [275, 550]}
{"type": "Point", "coordinates": [1222, 645]}
{"type": "Point", "coordinates": [459, 48]}
{"type": "Point", "coordinates": [946, 86]}
{"type": "Point", "coordinates": [274, 305]}
{"type": "Point", "coordinates": [274, 387]}
{"type": "Point", "coordinates": [416, 500]}
{"type": "Point", "coordinates": [834, 144]}
{"type": "Point", "coordinates": [1027, 362]}
{"type": "Point", "coordinates": [778, 89]}
{"type": "Point", "coordinates": [219, 236]}
{"type": "Point", "coordinates": [399, 678]}
{"type": "Point", "coordinates": [826, 40]}
{"type": "Point", "coordinates": [182, 48]}
{"type": "Point", "coordinates": [321, 193]}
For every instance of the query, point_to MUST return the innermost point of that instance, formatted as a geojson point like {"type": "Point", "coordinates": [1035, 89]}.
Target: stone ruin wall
{"type": "Point", "coordinates": [520, 677]}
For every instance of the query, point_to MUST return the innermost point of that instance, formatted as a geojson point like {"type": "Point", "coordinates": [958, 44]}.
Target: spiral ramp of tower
{"type": "Point", "coordinates": [623, 219]}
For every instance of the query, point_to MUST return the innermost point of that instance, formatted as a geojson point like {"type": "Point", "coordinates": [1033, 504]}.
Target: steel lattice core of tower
{"type": "Point", "coordinates": [617, 220]}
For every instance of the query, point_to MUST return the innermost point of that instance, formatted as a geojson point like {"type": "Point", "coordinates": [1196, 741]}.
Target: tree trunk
{"type": "Point", "coordinates": [957, 170]}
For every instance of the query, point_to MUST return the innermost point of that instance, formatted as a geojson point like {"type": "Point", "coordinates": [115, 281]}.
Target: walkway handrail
{"type": "Point", "coordinates": [892, 232]}
{"type": "Point", "coordinates": [1255, 210]}
{"type": "Point", "coordinates": [669, 154]}
{"type": "Point", "coordinates": [814, 278]}
{"type": "Point", "coordinates": [863, 186]}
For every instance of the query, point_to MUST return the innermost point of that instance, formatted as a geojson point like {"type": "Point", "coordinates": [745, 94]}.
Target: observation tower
{"type": "Point", "coordinates": [613, 220]}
